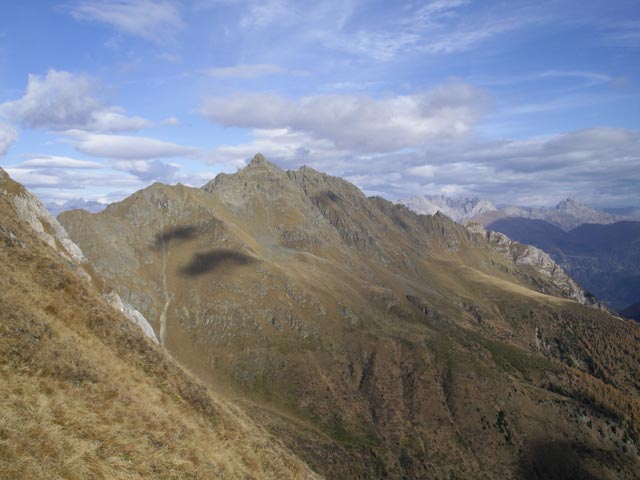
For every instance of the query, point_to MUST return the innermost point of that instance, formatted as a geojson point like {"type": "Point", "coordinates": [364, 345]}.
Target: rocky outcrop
{"type": "Point", "coordinates": [32, 211]}
{"type": "Point", "coordinates": [529, 256]}
{"type": "Point", "coordinates": [131, 313]}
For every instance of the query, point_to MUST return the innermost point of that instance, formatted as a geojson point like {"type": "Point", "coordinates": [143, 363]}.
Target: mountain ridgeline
{"type": "Point", "coordinates": [566, 215]}
{"type": "Point", "coordinates": [604, 259]}
{"type": "Point", "coordinates": [372, 341]}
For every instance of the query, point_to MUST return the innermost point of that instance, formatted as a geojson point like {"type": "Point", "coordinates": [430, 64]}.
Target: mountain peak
{"type": "Point", "coordinates": [569, 202]}
{"type": "Point", "coordinates": [258, 159]}
{"type": "Point", "coordinates": [259, 162]}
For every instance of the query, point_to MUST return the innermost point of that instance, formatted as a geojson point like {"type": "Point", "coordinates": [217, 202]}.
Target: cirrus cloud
{"type": "Point", "coordinates": [153, 20]}
{"type": "Point", "coordinates": [54, 161]}
{"type": "Point", "coordinates": [8, 136]}
{"type": "Point", "coordinates": [246, 71]}
{"type": "Point", "coordinates": [126, 147]}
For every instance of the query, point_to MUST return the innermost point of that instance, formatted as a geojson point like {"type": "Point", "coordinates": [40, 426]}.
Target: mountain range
{"type": "Point", "coordinates": [566, 215]}
{"type": "Point", "coordinates": [326, 334]}
{"type": "Point", "coordinates": [596, 248]}
{"type": "Point", "coordinates": [604, 259]}
{"type": "Point", "coordinates": [374, 342]}
{"type": "Point", "coordinates": [632, 311]}
{"type": "Point", "coordinates": [75, 204]}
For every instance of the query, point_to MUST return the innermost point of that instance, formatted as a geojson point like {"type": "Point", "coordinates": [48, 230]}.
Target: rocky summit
{"type": "Point", "coordinates": [374, 342]}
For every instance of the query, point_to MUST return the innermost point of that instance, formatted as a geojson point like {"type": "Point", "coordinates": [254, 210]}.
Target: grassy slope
{"type": "Point", "coordinates": [85, 395]}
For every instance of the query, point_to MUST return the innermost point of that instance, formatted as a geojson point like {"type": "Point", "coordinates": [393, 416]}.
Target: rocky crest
{"type": "Point", "coordinates": [541, 262]}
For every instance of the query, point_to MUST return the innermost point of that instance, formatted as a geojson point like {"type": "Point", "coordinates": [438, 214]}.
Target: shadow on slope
{"type": "Point", "coordinates": [202, 263]}
{"type": "Point", "coordinates": [561, 460]}
{"type": "Point", "coordinates": [180, 232]}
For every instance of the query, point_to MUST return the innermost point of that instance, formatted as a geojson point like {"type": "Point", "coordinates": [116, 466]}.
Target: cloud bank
{"type": "Point", "coordinates": [62, 100]}
{"type": "Point", "coordinates": [358, 122]}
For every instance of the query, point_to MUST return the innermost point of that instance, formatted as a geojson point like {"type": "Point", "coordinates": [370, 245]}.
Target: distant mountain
{"type": "Point", "coordinates": [604, 259]}
{"type": "Point", "coordinates": [565, 215]}
{"type": "Point", "coordinates": [75, 204]}
{"type": "Point", "coordinates": [632, 311]}
{"type": "Point", "coordinates": [458, 209]}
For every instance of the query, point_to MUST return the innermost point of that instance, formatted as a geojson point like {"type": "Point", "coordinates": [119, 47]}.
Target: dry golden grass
{"type": "Point", "coordinates": [86, 396]}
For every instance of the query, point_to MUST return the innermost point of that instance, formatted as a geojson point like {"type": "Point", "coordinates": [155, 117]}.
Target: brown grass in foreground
{"type": "Point", "coordinates": [85, 396]}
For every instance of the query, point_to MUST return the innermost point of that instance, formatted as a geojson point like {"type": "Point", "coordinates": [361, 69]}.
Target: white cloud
{"type": "Point", "coordinates": [170, 57]}
{"type": "Point", "coordinates": [72, 180]}
{"type": "Point", "coordinates": [281, 145]}
{"type": "Point", "coordinates": [360, 123]}
{"type": "Point", "coordinates": [624, 34]}
{"type": "Point", "coordinates": [584, 79]}
{"type": "Point", "coordinates": [124, 147]}
{"type": "Point", "coordinates": [263, 13]}
{"type": "Point", "coordinates": [438, 27]}
{"type": "Point", "coordinates": [246, 71]}
{"type": "Point", "coordinates": [147, 170]}
{"type": "Point", "coordinates": [8, 136]}
{"type": "Point", "coordinates": [52, 161]}
{"type": "Point", "coordinates": [61, 100]}
{"type": "Point", "coordinates": [113, 121]}
{"type": "Point", "coordinates": [170, 121]}
{"type": "Point", "coordinates": [154, 20]}
{"type": "Point", "coordinates": [598, 166]}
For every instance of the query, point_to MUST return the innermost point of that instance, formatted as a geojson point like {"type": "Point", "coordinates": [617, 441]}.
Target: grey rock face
{"type": "Point", "coordinates": [32, 211]}
{"type": "Point", "coordinates": [530, 256]}
{"type": "Point", "coordinates": [131, 313]}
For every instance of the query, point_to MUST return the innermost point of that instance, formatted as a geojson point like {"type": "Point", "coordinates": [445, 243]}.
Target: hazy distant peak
{"type": "Point", "coordinates": [459, 209]}
{"type": "Point", "coordinates": [75, 204]}
{"type": "Point", "coordinates": [567, 214]}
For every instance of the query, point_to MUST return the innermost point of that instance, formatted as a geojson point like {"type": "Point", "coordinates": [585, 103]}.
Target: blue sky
{"type": "Point", "coordinates": [518, 102]}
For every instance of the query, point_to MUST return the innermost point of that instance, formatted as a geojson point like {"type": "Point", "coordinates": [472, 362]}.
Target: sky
{"type": "Point", "coordinates": [518, 102]}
